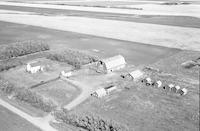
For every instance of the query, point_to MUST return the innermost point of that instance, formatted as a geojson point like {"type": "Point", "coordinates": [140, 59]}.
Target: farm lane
{"type": "Point", "coordinates": [40, 122]}
{"type": "Point", "coordinates": [86, 90]}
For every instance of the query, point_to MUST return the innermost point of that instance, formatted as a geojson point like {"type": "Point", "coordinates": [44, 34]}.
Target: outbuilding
{"type": "Point", "coordinates": [111, 64]}
{"type": "Point", "coordinates": [99, 93]}
{"type": "Point", "coordinates": [110, 88]}
{"type": "Point", "coordinates": [66, 74]}
{"type": "Point", "coordinates": [134, 75]}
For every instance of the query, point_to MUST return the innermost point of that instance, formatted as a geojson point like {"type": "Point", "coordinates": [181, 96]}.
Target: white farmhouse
{"type": "Point", "coordinates": [34, 68]}
{"type": "Point", "coordinates": [111, 64]}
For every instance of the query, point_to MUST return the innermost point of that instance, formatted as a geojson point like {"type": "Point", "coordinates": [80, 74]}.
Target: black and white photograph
{"type": "Point", "coordinates": [99, 65]}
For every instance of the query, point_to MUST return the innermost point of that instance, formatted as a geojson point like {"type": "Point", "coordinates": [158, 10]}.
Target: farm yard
{"type": "Point", "coordinates": [87, 65]}
{"type": "Point", "coordinates": [30, 80]}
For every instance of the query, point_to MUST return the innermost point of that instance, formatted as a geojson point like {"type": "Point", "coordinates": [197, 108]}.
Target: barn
{"type": "Point", "coordinates": [111, 64]}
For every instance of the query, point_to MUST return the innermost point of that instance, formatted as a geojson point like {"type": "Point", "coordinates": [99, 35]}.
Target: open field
{"type": "Point", "coordinates": [147, 9]}
{"type": "Point", "coordinates": [182, 21]}
{"type": "Point", "coordinates": [133, 51]}
{"type": "Point", "coordinates": [110, 29]}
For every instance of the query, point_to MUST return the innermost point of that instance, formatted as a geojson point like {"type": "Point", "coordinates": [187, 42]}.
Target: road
{"type": "Point", "coordinates": [9, 121]}
{"type": "Point", "coordinates": [41, 123]}
{"type": "Point", "coordinates": [86, 90]}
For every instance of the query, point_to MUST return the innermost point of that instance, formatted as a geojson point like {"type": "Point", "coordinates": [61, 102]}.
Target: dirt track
{"type": "Point", "coordinates": [42, 123]}
{"type": "Point", "coordinates": [86, 90]}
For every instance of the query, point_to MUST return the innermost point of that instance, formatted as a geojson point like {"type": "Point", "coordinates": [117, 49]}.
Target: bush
{"type": "Point", "coordinates": [8, 64]}
{"type": "Point", "coordinates": [89, 122]}
{"type": "Point", "coordinates": [21, 48]}
{"type": "Point", "coordinates": [6, 87]}
{"type": "Point", "coordinates": [34, 99]}
{"type": "Point", "coordinates": [74, 58]}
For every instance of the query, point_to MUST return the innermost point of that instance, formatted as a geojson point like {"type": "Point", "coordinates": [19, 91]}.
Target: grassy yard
{"type": "Point", "coordinates": [28, 80]}
{"type": "Point", "coordinates": [59, 91]}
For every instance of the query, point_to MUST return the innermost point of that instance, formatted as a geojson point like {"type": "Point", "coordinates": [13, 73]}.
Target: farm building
{"type": "Point", "coordinates": [110, 88]}
{"type": "Point", "coordinates": [111, 64]}
{"type": "Point", "coordinates": [34, 67]}
{"type": "Point", "coordinates": [66, 74]}
{"type": "Point", "coordinates": [134, 75]}
{"type": "Point", "coordinates": [99, 93]}
{"type": "Point", "coordinates": [104, 91]}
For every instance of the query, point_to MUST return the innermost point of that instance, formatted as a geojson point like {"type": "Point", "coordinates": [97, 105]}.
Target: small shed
{"type": "Point", "coordinates": [100, 93]}
{"type": "Point", "coordinates": [111, 64]}
{"type": "Point", "coordinates": [110, 88]}
{"type": "Point", "coordinates": [66, 74]}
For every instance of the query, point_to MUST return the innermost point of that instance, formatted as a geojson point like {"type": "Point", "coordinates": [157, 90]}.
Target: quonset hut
{"type": "Point", "coordinates": [134, 75]}
{"type": "Point", "coordinates": [111, 64]}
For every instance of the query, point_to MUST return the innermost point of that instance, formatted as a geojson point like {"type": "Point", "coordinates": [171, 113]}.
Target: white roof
{"type": "Point", "coordinates": [101, 92]}
{"type": "Point", "coordinates": [136, 74]}
{"type": "Point", "coordinates": [115, 61]}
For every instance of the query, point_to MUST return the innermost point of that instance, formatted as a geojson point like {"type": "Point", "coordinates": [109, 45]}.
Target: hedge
{"type": "Point", "coordinates": [27, 95]}
{"type": "Point", "coordinates": [89, 122]}
{"type": "Point", "coordinates": [72, 57]}
{"type": "Point", "coordinates": [21, 48]}
{"type": "Point", "coordinates": [8, 64]}
{"type": "Point", "coordinates": [34, 99]}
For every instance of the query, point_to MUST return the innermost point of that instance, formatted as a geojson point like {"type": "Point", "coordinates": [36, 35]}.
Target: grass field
{"type": "Point", "coordinates": [183, 21]}
{"type": "Point", "coordinates": [120, 30]}
{"type": "Point", "coordinates": [59, 91]}
{"type": "Point", "coordinates": [133, 51]}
